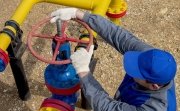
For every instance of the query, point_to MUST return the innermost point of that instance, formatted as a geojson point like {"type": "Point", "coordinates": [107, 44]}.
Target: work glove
{"type": "Point", "coordinates": [81, 59]}
{"type": "Point", "coordinates": [63, 14]}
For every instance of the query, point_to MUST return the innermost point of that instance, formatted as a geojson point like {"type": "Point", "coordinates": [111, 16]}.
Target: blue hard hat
{"type": "Point", "coordinates": [156, 66]}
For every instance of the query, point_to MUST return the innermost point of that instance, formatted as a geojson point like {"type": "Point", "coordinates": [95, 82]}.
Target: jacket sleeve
{"type": "Point", "coordinates": [119, 38]}
{"type": "Point", "coordinates": [99, 99]}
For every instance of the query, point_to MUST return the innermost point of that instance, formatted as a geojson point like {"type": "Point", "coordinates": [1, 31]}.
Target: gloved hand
{"type": "Point", "coordinates": [81, 59]}
{"type": "Point", "coordinates": [63, 14]}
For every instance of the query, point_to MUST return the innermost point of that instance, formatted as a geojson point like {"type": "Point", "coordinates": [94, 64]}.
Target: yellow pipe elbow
{"type": "Point", "coordinates": [23, 10]}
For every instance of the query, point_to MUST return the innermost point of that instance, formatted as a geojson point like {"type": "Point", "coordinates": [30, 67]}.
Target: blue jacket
{"type": "Point", "coordinates": [130, 96]}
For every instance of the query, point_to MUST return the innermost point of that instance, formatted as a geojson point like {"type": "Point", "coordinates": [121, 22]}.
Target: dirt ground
{"type": "Point", "coordinates": [156, 22]}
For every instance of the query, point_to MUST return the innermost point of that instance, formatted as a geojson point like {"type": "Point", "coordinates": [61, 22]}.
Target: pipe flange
{"type": "Point", "coordinates": [50, 103]}
{"type": "Point", "coordinates": [117, 15]}
{"type": "Point", "coordinates": [117, 12]}
{"type": "Point", "coordinates": [63, 91]}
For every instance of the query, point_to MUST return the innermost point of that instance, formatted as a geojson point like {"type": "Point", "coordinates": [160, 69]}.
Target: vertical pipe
{"type": "Point", "coordinates": [4, 41]}
{"type": "Point", "coordinates": [100, 7]}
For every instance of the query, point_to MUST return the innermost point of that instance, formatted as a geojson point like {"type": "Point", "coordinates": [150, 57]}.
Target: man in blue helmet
{"type": "Point", "coordinates": [149, 81]}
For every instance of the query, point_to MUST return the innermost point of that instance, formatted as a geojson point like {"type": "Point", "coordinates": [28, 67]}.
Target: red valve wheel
{"type": "Point", "coordinates": [59, 40]}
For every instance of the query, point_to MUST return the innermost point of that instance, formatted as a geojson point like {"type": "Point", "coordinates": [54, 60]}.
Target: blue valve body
{"type": "Point", "coordinates": [61, 76]}
{"type": "Point", "coordinates": [2, 65]}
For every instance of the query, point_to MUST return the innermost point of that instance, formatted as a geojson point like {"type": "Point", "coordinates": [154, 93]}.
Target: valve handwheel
{"type": "Point", "coordinates": [58, 39]}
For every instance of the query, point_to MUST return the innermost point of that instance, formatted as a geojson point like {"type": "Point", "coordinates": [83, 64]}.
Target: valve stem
{"type": "Point", "coordinates": [58, 24]}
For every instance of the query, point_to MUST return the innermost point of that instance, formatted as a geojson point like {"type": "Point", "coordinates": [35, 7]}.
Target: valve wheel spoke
{"type": "Point", "coordinates": [43, 36]}
{"type": "Point", "coordinates": [56, 51]}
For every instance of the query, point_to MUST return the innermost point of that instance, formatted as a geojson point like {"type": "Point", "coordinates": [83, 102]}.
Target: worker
{"type": "Point", "coordinates": [148, 84]}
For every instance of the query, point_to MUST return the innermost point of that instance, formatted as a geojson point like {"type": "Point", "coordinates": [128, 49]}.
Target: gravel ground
{"type": "Point", "coordinates": [154, 21]}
